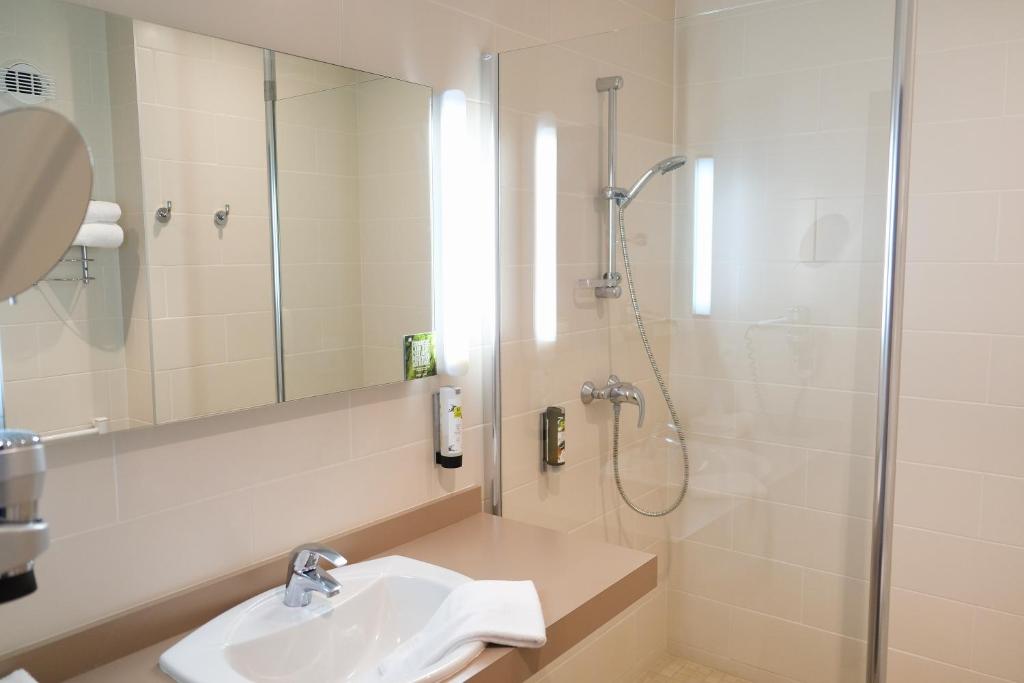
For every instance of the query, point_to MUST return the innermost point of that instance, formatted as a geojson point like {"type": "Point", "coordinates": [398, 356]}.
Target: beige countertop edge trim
{"type": "Point", "coordinates": [110, 639]}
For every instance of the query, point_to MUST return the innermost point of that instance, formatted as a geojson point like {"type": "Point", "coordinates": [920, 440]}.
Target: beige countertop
{"type": "Point", "coordinates": [582, 584]}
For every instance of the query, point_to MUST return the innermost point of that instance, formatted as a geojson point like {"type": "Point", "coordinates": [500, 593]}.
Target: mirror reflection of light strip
{"type": "Point", "coordinates": [703, 233]}
{"type": "Point", "coordinates": [545, 226]}
{"type": "Point", "coordinates": [455, 309]}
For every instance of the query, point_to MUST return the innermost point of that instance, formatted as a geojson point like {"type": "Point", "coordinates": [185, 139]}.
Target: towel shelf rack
{"type": "Point", "coordinates": [85, 260]}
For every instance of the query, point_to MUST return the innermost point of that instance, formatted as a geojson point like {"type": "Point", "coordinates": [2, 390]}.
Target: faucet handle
{"type": "Point", "coordinates": [632, 394]}
{"type": "Point", "coordinates": [307, 557]}
{"type": "Point", "coordinates": [624, 392]}
{"type": "Point", "coordinates": [641, 403]}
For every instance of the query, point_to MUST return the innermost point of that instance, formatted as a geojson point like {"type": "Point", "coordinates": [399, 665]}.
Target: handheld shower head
{"type": "Point", "coordinates": [670, 164]}
{"type": "Point", "coordinates": [661, 168]}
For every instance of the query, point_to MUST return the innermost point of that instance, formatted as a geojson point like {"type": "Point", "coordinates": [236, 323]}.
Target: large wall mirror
{"type": "Point", "coordinates": [182, 296]}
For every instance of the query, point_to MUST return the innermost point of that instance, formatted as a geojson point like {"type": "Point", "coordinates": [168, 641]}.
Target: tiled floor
{"type": "Point", "coordinates": [671, 669]}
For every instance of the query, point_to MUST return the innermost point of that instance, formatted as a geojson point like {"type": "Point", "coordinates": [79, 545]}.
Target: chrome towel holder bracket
{"type": "Point", "coordinates": [163, 214]}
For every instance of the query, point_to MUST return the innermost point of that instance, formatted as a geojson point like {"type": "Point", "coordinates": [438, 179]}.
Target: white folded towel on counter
{"type": "Point", "coordinates": [500, 612]}
{"type": "Point", "coordinates": [19, 676]}
{"type": "Point", "coordinates": [107, 235]}
{"type": "Point", "coordinates": [102, 212]}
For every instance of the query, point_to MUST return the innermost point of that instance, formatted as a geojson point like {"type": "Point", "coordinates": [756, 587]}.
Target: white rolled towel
{"type": "Point", "coordinates": [19, 676]}
{"type": "Point", "coordinates": [102, 212]}
{"type": "Point", "coordinates": [106, 235]}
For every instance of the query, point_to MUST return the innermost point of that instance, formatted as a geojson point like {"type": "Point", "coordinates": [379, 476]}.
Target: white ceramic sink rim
{"type": "Point", "coordinates": [382, 602]}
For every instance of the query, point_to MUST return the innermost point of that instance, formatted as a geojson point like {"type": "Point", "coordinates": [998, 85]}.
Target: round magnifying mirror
{"type": "Point", "coordinates": [45, 184]}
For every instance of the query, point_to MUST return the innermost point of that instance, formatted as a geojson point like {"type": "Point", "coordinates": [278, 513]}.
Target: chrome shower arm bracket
{"type": "Point", "coordinates": [609, 286]}
{"type": "Point", "coordinates": [615, 194]}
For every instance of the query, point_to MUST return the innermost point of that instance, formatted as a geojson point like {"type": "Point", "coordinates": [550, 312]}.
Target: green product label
{"type": "Point", "coordinates": [420, 355]}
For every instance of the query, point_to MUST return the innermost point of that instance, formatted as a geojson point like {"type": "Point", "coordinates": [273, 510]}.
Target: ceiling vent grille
{"type": "Point", "coordinates": [26, 83]}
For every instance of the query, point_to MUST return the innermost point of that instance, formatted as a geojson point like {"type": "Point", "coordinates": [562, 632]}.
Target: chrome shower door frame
{"type": "Point", "coordinates": [894, 271]}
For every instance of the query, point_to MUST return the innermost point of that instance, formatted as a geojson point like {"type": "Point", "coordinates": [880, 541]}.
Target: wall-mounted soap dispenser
{"type": "Point", "coordinates": [23, 536]}
{"type": "Point", "coordinates": [448, 427]}
{"type": "Point", "coordinates": [552, 436]}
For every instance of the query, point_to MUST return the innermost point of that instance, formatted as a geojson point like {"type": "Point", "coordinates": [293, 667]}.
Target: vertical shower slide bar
{"type": "Point", "coordinates": [270, 109]}
{"type": "Point", "coordinates": [892, 320]}
{"type": "Point", "coordinates": [608, 287]}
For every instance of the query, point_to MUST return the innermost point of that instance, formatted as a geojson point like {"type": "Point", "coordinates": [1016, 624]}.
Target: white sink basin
{"type": "Point", "coordinates": [382, 603]}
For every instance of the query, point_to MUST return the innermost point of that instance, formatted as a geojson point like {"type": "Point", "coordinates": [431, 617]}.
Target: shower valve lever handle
{"type": "Point", "coordinates": [617, 392]}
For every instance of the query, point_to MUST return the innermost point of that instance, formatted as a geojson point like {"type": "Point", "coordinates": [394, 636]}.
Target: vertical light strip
{"type": "Point", "coordinates": [703, 233]}
{"type": "Point", "coordinates": [545, 227]}
{"type": "Point", "coordinates": [454, 309]}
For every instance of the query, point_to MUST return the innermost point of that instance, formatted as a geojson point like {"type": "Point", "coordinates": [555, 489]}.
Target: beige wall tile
{"type": "Point", "coordinates": [213, 290]}
{"type": "Point", "coordinates": [840, 483]}
{"type": "Point", "coordinates": [977, 74]}
{"type": "Point", "coordinates": [1010, 245]}
{"type": "Point", "coordinates": [210, 389]}
{"type": "Point", "coordinates": [948, 23]}
{"type": "Point", "coordinates": [186, 342]}
{"type": "Point", "coordinates": [1001, 503]}
{"type": "Point", "coordinates": [80, 486]}
{"type": "Point", "coordinates": [939, 499]}
{"type": "Point", "coordinates": [933, 563]}
{"type": "Point", "coordinates": [934, 290]}
{"type": "Point", "coordinates": [738, 579]}
{"type": "Point", "coordinates": [1007, 371]}
{"type": "Point", "coordinates": [996, 644]}
{"type": "Point", "coordinates": [795, 651]}
{"type": "Point", "coordinates": [928, 368]}
{"type": "Point", "coordinates": [985, 150]}
{"type": "Point", "coordinates": [935, 628]}
{"type": "Point", "coordinates": [907, 668]}
{"type": "Point", "coordinates": [996, 572]}
{"type": "Point", "coordinates": [698, 622]}
{"type": "Point", "coordinates": [178, 134]}
{"type": "Point", "coordinates": [961, 435]}
{"type": "Point", "coordinates": [835, 603]}
{"type": "Point", "coordinates": [956, 227]}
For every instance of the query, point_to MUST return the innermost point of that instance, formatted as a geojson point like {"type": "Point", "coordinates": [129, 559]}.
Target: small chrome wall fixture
{"type": "Point", "coordinates": [221, 217]}
{"type": "Point", "coordinates": [163, 214]}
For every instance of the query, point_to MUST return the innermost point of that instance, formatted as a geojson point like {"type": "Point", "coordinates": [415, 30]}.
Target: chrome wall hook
{"type": "Point", "coordinates": [221, 217]}
{"type": "Point", "coordinates": [163, 214]}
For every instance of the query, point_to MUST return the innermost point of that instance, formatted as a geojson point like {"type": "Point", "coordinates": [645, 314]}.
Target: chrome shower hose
{"type": "Point", "coordinates": [661, 384]}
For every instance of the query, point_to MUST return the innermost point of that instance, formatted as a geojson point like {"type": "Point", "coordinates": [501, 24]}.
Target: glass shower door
{"type": "Point", "coordinates": [759, 272]}
{"type": "Point", "coordinates": [783, 109]}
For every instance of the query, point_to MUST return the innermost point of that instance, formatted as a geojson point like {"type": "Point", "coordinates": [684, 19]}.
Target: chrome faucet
{"type": "Point", "coordinates": [305, 576]}
{"type": "Point", "coordinates": [617, 392]}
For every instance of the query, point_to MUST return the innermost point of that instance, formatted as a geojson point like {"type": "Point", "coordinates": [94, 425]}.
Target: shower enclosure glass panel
{"type": "Point", "coordinates": [759, 273]}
